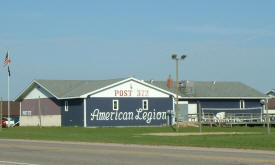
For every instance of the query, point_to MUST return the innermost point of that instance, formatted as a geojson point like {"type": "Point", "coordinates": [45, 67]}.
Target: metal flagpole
{"type": "Point", "coordinates": [9, 100]}
{"type": "Point", "coordinates": [8, 93]}
{"type": "Point", "coordinates": [1, 113]}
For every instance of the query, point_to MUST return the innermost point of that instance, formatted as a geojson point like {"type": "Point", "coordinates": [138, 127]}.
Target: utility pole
{"type": "Point", "coordinates": [199, 117]}
{"type": "Point", "coordinates": [177, 93]}
{"type": "Point", "coordinates": [174, 57]}
{"type": "Point", "coordinates": [39, 111]}
{"type": "Point", "coordinates": [267, 117]}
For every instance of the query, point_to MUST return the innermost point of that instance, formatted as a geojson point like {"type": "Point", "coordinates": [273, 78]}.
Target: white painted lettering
{"type": "Point", "coordinates": [158, 115]}
{"type": "Point", "coordinates": [107, 115]}
{"type": "Point", "coordinates": [140, 114]}
{"type": "Point", "coordinates": [149, 118]}
{"type": "Point", "coordinates": [131, 116]}
{"type": "Point", "coordinates": [95, 114]}
{"type": "Point", "coordinates": [112, 113]}
{"type": "Point", "coordinates": [163, 115]}
{"type": "Point", "coordinates": [144, 116]}
{"type": "Point", "coordinates": [137, 117]}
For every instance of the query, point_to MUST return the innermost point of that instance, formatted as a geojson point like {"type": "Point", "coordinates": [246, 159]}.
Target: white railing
{"type": "Point", "coordinates": [231, 118]}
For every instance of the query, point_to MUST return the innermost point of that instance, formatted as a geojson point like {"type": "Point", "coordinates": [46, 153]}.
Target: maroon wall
{"type": "Point", "coordinates": [14, 108]}
{"type": "Point", "coordinates": [271, 103]}
{"type": "Point", "coordinates": [49, 106]}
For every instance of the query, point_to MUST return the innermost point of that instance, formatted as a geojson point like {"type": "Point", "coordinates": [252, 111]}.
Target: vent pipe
{"type": "Point", "coordinates": [170, 82]}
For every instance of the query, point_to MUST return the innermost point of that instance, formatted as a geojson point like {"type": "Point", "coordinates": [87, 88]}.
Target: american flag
{"type": "Point", "coordinates": [7, 60]}
{"type": "Point", "coordinates": [9, 71]}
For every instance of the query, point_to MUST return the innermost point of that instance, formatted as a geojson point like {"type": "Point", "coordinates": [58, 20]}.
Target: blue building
{"type": "Point", "coordinates": [129, 101]}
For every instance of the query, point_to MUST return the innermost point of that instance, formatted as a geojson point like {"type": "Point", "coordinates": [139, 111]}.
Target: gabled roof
{"type": "Point", "coordinates": [68, 89]}
{"type": "Point", "coordinates": [271, 93]}
{"type": "Point", "coordinates": [62, 89]}
{"type": "Point", "coordinates": [126, 80]}
{"type": "Point", "coordinates": [209, 89]}
{"type": "Point", "coordinates": [74, 88]}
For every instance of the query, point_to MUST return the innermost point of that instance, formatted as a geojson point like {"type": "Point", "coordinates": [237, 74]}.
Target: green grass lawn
{"type": "Point", "coordinates": [132, 135]}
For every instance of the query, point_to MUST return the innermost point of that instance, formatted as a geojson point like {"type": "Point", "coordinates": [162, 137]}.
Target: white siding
{"type": "Point", "coordinates": [131, 89]}
{"type": "Point", "coordinates": [192, 108]}
{"type": "Point", "coordinates": [48, 120]}
{"type": "Point", "coordinates": [38, 92]}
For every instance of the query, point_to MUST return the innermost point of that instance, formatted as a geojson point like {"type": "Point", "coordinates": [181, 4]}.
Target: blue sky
{"type": "Point", "coordinates": [93, 40]}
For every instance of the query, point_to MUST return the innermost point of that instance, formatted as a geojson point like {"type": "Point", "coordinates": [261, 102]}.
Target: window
{"type": "Point", "coordinates": [115, 105]}
{"type": "Point", "coordinates": [66, 106]}
{"type": "Point", "coordinates": [242, 104]}
{"type": "Point", "coordinates": [145, 104]}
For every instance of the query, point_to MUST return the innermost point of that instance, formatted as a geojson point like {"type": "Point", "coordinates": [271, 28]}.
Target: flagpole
{"type": "Point", "coordinates": [8, 93]}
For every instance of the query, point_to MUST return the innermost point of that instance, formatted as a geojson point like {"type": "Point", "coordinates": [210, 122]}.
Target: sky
{"type": "Point", "coordinates": [104, 39]}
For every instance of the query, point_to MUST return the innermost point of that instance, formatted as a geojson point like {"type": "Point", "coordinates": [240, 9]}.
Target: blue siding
{"type": "Point", "coordinates": [254, 105]}
{"type": "Point", "coordinates": [75, 113]}
{"type": "Point", "coordinates": [220, 103]}
{"type": "Point", "coordinates": [127, 114]}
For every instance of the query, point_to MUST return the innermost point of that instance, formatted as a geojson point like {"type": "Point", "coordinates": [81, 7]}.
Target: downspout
{"type": "Point", "coordinates": [85, 121]}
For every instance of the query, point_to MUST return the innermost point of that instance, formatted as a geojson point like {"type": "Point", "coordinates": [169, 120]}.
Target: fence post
{"type": "Point", "coordinates": [200, 116]}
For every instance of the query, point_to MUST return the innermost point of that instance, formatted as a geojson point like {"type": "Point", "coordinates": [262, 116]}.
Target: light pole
{"type": "Point", "coordinates": [267, 116]}
{"type": "Point", "coordinates": [174, 57]}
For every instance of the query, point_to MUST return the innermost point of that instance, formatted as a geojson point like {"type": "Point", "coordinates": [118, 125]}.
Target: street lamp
{"type": "Point", "coordinates": [174, 57]}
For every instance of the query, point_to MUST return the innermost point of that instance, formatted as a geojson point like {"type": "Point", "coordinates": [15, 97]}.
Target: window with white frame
{"type": "Point", "coordinates": [242, 104]}
{"type": "Point", "coordinates": [145, 104]}
{"type": "Point", "coordinates": [66, 106]}
{"type": "Point", "coordinates": [115, 105]}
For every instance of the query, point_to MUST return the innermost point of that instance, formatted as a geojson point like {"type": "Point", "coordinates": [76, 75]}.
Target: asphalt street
{"type": "Point", "coordinates": [31, 152]}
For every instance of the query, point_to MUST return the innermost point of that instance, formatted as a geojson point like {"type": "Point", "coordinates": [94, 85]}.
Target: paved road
{"type": "Point", "coordinates": [26, 152]}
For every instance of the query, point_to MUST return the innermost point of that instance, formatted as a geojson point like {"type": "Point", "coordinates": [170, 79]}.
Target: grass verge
{"type": "Point", "coordinates": [133, 135]}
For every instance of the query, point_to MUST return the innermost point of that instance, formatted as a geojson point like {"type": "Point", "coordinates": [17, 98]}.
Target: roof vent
{"type": "Point", "coordinates": [187, 87]}
{"type": "Point", "coordinates": [212, 84]}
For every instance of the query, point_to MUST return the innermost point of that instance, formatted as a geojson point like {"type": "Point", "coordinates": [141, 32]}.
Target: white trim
{"type": "Point", "coordinates": [117, 104]}
{"type": "Point", "coordinates": [147, 102]}
{"type": "Point", "coordinates": [29, 86]}
{"type": "Point", "coordinates": [46, 89]}
{"type": "Point", "coordinates": [68, 98]}
{"type": "Point", "coordinates": [180, 97]}
{"type": "Point", "coordinates": [183, 102]}
{"type": "Point", "coordinates": [66, 106]}
{"type": "Point", "coordinates": [242, 104]}
{"type": "Point", "coordinates": [32, 85]}
{"type": "Point", "coordinates": [270, 91]}
{"type": "Point", "coordinates": [123, 81]}
{"type": "Point", "coordinates": [223, 97]}
{"type": "Point", "coordinates": [85, 110]}
{"type": "Point", "coordinates": [232, 108]}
